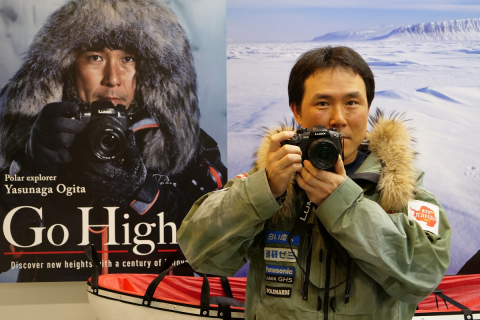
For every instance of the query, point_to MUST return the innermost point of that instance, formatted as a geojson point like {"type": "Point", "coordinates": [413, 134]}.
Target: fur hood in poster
{"type": "Point", "coordinates": [391, 141]}
{"type": "Point", "coordinates": [166, 87]}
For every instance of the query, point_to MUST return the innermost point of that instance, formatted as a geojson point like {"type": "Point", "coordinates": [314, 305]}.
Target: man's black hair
{"type": "Point", "coordinates": [322, 59]}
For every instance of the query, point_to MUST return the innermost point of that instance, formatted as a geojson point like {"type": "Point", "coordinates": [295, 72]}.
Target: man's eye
{"type": "Point", "coordinates": [323, 104]}
{"type": "Point", "coordinates": [351, 103]}
{"type": "Point", "coordinates": [95, 57]}
{"type": "Point", "coordinates": [129, 59]}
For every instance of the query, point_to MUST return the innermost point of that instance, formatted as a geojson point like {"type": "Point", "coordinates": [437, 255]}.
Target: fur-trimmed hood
{"type": "Point", "coordinates": [166, 86]}
{"type": "Point", "coordinates": [390, 140]}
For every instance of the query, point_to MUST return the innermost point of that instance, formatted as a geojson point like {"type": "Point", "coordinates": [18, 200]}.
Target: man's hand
{"type": "Point", "coordinates": [319, 184]}
{"type": "Point", "coordinates": [52, 135]}
{"type": "Point", "coordinates": [116, 183]}
{"type": "Point", "coordinates": [282, 162]}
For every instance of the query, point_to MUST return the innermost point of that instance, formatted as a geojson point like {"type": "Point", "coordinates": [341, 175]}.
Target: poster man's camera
{"type": "Point", "coordinates": [319, 145]}
{"type": "Point", "coordinates": [106, 125]}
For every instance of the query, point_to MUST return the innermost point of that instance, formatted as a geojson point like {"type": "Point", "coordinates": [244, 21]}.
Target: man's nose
{"type": "Point", "coordinates": [337, 117]}
{"type": "Point", "coordinates": [111, 74]}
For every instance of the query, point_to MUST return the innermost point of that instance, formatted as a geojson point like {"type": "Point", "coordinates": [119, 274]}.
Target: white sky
{"type": "Point", "coordinates": [303, 20]}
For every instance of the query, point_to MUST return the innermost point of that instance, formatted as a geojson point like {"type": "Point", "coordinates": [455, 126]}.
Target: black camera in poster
{"type": "Point", "coordinates": [101, 139]}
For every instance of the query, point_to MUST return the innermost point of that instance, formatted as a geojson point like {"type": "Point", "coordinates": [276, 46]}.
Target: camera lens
{"type": "Point", "coordinates": [107, 139]}
{"type": "Point", "coordinates": [108, 142]}
{"type": "Point", "coordinates": [323, 154]}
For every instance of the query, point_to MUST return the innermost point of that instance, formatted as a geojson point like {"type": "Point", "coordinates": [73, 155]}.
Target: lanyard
{"type": "Point", "coordinates": [302, 224]}
{"type": "Point", "coordinates": [302, 221]}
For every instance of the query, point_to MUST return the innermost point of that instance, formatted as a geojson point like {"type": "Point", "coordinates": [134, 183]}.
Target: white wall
{"type": "Point", "coordinates": [45, 301]}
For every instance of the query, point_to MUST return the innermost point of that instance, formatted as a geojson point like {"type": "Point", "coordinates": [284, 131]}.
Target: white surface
{"type": "Point", "coordinates": [106, 309]}
{"type": "Point", "coordinates": [45, 301]}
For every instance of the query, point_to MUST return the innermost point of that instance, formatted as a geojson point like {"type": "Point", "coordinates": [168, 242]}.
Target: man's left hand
{"type": "Point", "coordinates": [319, 184]}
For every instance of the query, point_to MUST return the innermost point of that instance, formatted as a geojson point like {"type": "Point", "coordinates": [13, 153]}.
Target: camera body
{"type": "Point", "coordinates": [106, 126]}
{"type": "Point", "coordinates": [319, 145]}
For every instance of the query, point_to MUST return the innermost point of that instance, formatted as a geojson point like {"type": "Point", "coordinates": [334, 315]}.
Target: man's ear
{"type": "Point", "coordinates": [296, 114]}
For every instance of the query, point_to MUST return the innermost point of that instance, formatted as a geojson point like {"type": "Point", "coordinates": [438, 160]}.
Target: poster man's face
{"type": "Point", "coordinates": [336, 98]}
{"type": "Point", "coordinates": [106, 74]}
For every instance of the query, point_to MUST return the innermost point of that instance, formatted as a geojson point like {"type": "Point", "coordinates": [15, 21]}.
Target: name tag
{"type": "Point", "coordinates": [278, 292]}
{"type": "Point", "coordinates": [280, 237]}
{"type": "Point", "coordinates": [280, 254]}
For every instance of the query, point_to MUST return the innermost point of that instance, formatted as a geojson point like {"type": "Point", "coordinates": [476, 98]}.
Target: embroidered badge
{"type": "Point", "coordinates": [426, 214]}
{"type": "Point", "coordinates": [280, 254]}
{"type": "Point", "coordinates": [278, 292]}
{"type": "Point", "coordinates": [280, 237]}
{"type": "Point", "coordinates": [242, 175]}
{"type": "Point", "coordinates": [279, 274]}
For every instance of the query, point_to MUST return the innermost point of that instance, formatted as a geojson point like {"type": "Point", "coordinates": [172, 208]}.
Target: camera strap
{"type": "Point", "coordinates": [302, 224]}
{"type": "Point", "coordinates": [144, 124]}
{"type": "Point", "coordinates": [302, 221]}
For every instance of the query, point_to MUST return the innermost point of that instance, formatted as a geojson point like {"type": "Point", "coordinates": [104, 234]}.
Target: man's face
{"type": "Point", "coordinates": [336, 98]}
{"type": "Point", "coordinates": [106, 74]}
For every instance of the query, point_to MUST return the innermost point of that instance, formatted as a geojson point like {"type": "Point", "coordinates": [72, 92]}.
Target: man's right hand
{"type": "Point", "coordinates": [282, 162]}
{"type": "Point", "coordinates": [52, 135]}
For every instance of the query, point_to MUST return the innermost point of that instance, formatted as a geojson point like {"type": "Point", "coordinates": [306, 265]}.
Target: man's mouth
{"type": "Point", "coordinates": [114, 100]}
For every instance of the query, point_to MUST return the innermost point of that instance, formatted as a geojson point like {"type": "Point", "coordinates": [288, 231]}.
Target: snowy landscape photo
{"type": "Point", "coordinates": [427, 69]}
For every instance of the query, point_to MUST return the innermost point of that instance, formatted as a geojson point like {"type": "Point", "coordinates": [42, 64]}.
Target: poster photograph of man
{"type": "Point", "coordinates": [101, 139]}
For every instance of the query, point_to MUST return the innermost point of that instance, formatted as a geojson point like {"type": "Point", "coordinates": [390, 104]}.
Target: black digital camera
{"type": "Point", "coordinates": [106, 126]}
{"type": "Point", "coordinates": [319, 145]}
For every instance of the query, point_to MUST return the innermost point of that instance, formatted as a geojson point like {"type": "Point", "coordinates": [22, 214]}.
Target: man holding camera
{"type": "Point", "coordinates": [103, 113]}
{"type": "Point", "coordinates": [358, 239]}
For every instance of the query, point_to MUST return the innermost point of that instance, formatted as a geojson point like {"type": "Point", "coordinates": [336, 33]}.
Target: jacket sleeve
{"type": "Point", "coordinates": [217, 232]}
{"type": "Point", "coordinates": [396, 252]}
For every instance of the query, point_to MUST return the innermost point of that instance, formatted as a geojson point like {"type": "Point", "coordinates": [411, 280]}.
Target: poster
{"type": "Point", "coordinates": [425, 57]}
{"type": "Point", "coordinates": [126, 186]}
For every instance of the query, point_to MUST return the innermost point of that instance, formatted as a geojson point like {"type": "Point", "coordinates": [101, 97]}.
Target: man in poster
{"type": "Point", "coordinates": [100, 139]}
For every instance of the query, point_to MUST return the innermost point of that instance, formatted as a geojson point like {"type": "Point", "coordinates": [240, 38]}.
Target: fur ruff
{"type": "Point", "coordinates": [390, 140]}
{"type": "Point", "coordinates": [166, 79]}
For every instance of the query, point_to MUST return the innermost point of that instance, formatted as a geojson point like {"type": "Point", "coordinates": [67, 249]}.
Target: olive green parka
{"type": "Point", "coordinates": [360, 242]}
